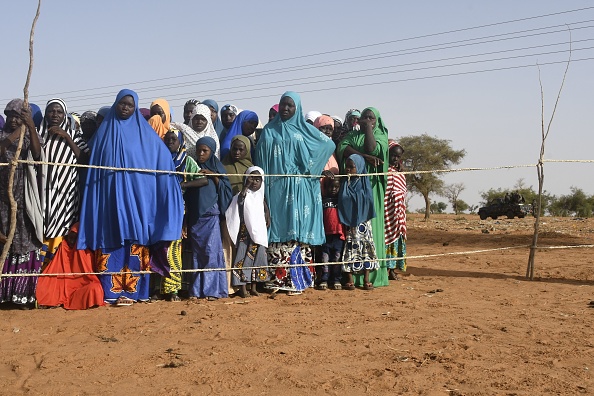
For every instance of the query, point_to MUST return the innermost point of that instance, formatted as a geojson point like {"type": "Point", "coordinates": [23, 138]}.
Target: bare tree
{"type": "Point", "coordinates": [452, 193]}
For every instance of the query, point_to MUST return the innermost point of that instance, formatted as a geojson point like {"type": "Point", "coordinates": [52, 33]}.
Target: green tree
{"type": "Point", "coordinates": [461, 206]}
{"type": "Point", "coordinates": [438, 207]}
{"type": "Point", "coordinates": [428, 153]}
{"type": "Point", "coordinates": [575, 204]}
{"type": "Point", "coordinates": [452, 192]}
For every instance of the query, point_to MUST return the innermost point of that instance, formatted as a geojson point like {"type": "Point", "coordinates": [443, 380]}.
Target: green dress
{"type": "Point", "coordinates": [356, 140]}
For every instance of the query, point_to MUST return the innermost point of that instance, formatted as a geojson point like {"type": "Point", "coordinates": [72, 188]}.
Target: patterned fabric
{"type": "Point", "coordinates": [61, 192]}
{"type": "Point", "coordinates": [172, 283]}
{"type": "Point", "coordinates": [395, 206]}
{"type": "Point", "coordinates": [397, 250]}
{"type": "Point", "coordinates": [283, 275]}
{"type": "Point", "coordinates": [123, 261]}
{"type": "Point", "coordinates": [249, 254]}
{"type": "Point", "coordinates": [49, 248]}
{"type": "Point", "coordinates": [360, 248]}
{"type": "Point", "coordinates": [191, 136]}
{"type": "Point", "coordinates": [20, 290]}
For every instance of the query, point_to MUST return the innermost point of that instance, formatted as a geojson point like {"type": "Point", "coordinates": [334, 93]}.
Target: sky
{"type": "Point", "coordinates": [461, 70]}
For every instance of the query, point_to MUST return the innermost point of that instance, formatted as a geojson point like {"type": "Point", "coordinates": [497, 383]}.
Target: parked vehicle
{"type": "Point", "coordinates": [512, 205]}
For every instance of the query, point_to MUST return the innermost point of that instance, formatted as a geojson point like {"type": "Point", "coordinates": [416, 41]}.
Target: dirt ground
{"type": "Point", "coordinates": [487, 331]}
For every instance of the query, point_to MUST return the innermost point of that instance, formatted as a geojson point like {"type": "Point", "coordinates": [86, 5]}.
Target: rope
{"type": "Point", "coordinates": [305, 265]}
{"type": "Point", "coordinates": [569, 161]}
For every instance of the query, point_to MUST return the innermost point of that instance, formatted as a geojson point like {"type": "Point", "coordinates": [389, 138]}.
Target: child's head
{"type": "Point", "coordinates": [331, 187]}
{"type": "Point", "coordinates": [238, 150]}
{"type": "Point", "coordinates": [349, 167]}
{"type": "Point", "coordinates": [72, 236]}
{"type": "Point", "coordinates": [254, 181]}
{"type": "Point", "coordinates": [171, 141]}
{"type": "Point", "coordinates": [396, 152]}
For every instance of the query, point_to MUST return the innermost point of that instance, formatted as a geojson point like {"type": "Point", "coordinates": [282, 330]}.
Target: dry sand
{"type": "Point", "coordinates": [488, 331]}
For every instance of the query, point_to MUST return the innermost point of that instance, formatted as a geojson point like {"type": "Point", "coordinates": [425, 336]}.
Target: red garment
{"type": "Point", "coordinates": [72, 292]}
{"type": "Point", "coordinates": [332, 224]}
{"type": "Point", "coordinates": [395, 206]}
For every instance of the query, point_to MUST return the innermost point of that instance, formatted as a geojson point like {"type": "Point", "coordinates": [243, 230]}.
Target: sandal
{"type": "Point", "coordinates": [349, 286]}
{"type": "Point", "coordinates": [336, 286]}
{"type": "Point", "coordinates": [123, 302]}
{"type": "Point", "coordinates": [392, 275]}
{"type": "Point", "coordinates": [173, 297]}
{"type": "Point", "coordinates": [294, 293]}
{"type": "Point", "coordinates": [322, 286]}
{"type": "Point", "coordinates": [368, 286]}
{"type": "Point", "coordinates": [211, 298]}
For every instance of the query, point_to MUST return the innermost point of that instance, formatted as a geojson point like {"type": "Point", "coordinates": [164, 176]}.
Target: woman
{"type": "Point", "coordinates": [371, 142]}
{"type": "Point", "coordinates": [228, 114]}
{"type": "Point", "coordinates": [205, 206]}
{"type": "Point", "coordinates": [125, 212]}
{"type": "Point", "coordinates": [325, 124]}
{"type": "Point", "coordinates": [290, 146]}
{"type": "Point", "coordinates": [244, 124]}
{"type": "Point", "coordinates": [160, 117]}
{"type": "Point", "coordinates": [200, 126]}
{"type": "Point", "coordinates": [24, 255]}
{"type": "Point", "coordinates": [61, 144]}
{"type": "Point", "coordinates": [214, 111]}
{"type": "Point", "coordinates": [272, 112]}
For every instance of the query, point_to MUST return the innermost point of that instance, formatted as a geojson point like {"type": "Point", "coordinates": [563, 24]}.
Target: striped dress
{"type": "Point", "coordinates": [61, 193]}
{"type": "Point", "coordinates": [395, 218]}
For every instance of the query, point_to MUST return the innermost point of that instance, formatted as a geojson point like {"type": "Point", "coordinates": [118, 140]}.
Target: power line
{"type": "Point", "coordinates": [331, 51]}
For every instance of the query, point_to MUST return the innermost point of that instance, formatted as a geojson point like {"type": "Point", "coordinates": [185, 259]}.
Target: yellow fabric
{"type": "Point", "coordinates": [157, 122]}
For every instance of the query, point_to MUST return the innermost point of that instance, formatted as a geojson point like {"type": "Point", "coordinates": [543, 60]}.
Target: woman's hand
{"type": "Point", "coordinates": [56, 130]}
{"type": "Point", "coordinates": [184, 231]}
{"type": "Point", "coordinates": [2, 238]}
{"type": "Point", "coordinates": [373, 161]}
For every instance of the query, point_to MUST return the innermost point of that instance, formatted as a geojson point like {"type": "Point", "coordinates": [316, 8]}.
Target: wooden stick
{"type": "Point", "coordinates": [540, 165]}
{"type": "Point", "coordinates": [17, 155]}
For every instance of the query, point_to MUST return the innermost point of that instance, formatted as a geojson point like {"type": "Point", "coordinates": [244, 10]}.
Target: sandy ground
{"type": "Point", "coordinates": [487, 331]}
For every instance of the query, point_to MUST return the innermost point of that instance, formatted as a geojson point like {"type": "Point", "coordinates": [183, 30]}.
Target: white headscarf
{"type": "Point", "coordinates": [312, 115]}
{"type": "Point", "coordinates": [253, 213]}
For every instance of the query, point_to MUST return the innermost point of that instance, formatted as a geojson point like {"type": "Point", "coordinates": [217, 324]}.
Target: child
{"type": "Point", "coordinates": [207, 199]}
{"type": "Point", "coordinates": [334, 230]}
{"type": "Point", "coordinates": [247, 221]}
{"type": "Point", "coordinates": [395, 212]}
{"type": "Point", "coordinates": [355, 209]}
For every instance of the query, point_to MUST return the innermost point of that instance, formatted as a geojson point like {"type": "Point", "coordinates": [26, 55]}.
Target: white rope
{"type": "Point", "coordinates": [425, 256]}
{"type": "Point", "coordinates": [570, 161]}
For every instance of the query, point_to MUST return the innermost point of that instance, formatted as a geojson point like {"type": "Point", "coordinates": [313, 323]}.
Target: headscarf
{"type": "Point", "coordinates": [1, 122]}
{"type": "Point", "coordinates": [157, 122]}
{"type": "Point", "coordinates": [236, 129]}
{"type": "Point", "coordinates": [238, 167]}
{"type": "Point", "coordinates": [253, 213]}
{"type": "Point", "coordinates": [191, 136]}
{"type": "Point", "coordinates": [355, 197]}
{"type": "Point", "coordinates": [231, 107]}
{"type": "Point", "coordinates": [37, 115]}
{"type": "Point", "coordinates": [129, 207]}
{"type": "Point", "coordinates": [14, 105]}
{"type": "Point", "coordinates": [204, 198]}
{"type": "Point", "coordinates": [218, 125]}
{"type": "Point", "coordinates": [312, 115]}
{"type": "Point", "coordinates": [337, 118]}
{"type": "Point", "coordinates": [323, 120]}
{"type": "Point", "coordinates": [146, 113]}
{"type": "Point", "coordinates": [88, 115]}
{"type": "Point", "coordinates": [294, 147]}
{"type": "Point", "coordinates": [104, 111]}
{"type": "Point", "coordinates": [347, 124]}
{"type": "Point", "coordinates": [275, 107]}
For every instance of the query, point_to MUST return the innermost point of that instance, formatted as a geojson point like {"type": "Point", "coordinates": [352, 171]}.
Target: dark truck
{"type": "Point", "coordinates": [511, 205]}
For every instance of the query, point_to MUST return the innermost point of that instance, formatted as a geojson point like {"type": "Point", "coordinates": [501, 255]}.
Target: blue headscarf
{"type": "Point", "coordinates": [218, 124]}
{"type": "Point", "coordinates": [355, 198]}
{"type": "Point", "coordinates": [202, 199]}
{"type": "Point", "coordinates": [179, 157]}
{"type": "Point", "coordinates": [36, 114]}
{"type": "Point", "coordinates": [125, 206]}
{"type": "Point", "coordinates": [1, 122]}
{"type": "Point", "coordinates": [236, 129]}
{"type": "Point", "coordinates": [287, 148]}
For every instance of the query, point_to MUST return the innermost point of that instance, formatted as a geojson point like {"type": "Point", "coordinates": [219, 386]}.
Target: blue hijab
{"type": "Point", "coordinates": [236, 129]}
{"type": "Point", "coordinates": [125, 206]}
{"type": "Point", "coordinates": [355, 198]}
{"type": "Point", "coordinates": [294, 147]}
{"type": "Point", "coordinates": [36, 114]}
{"type": "Point", "coordinates": [218, 124]}
{"type": "Point", "coordinates": [200, 200]}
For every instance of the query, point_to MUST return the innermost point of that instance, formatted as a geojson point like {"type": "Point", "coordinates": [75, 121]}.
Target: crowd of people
{"type": "Point", "coordinates": [303, 201]}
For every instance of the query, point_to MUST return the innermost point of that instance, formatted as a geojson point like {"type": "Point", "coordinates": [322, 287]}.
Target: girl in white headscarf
{"type": "Point", "coordinates": [200, 125]}
{"type": "Point", "coordinates": [247, 220]}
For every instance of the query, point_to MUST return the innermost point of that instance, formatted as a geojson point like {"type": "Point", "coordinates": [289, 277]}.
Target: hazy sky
{"type": "Point", "coordinates": [424, 65]}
